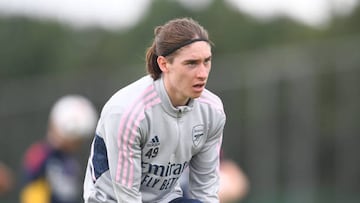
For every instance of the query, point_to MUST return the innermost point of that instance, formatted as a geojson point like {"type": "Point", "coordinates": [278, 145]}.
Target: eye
{"type": "Point", "coordinates": [191, 63]}
{"type": "Point", "coordinates": [207, 61]}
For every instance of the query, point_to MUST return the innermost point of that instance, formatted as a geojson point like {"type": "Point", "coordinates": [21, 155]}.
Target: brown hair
{"type": "Point", "coordinates": [169, 38]}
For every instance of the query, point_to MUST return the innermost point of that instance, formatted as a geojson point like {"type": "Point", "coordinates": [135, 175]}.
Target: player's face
{"type": "Point", "coordinates": [187, 75]}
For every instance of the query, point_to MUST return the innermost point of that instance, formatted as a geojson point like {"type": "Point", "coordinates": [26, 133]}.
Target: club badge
{"type": "Point", "coordinates": [197, 134]}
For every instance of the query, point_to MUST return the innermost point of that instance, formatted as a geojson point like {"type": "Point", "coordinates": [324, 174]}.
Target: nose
{"type": "Point", "coordinates": [203, 71]}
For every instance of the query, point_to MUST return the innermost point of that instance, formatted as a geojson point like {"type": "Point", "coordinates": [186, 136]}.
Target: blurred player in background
{"type": "Point", "coordinates": [6, 179]}
{"type": "Point", "coordinates": [150, 131]}
{"type": "Point", "coordinates": [234, 184]}
{"type": "Point", "coordinates": [51, 171]}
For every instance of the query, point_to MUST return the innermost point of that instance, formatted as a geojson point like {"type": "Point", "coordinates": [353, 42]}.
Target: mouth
{"type": "Point", "coordinates": [199, 87]}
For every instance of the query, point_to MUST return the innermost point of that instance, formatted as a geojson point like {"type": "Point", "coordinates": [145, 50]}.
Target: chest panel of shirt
{"type": "Point", "coordinates": [172, 139]}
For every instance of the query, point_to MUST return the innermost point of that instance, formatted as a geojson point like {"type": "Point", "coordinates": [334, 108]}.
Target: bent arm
{"type": "Point", "coordinates": [122, 141]}
{"type": "Point", "coordinates": [204, 168]}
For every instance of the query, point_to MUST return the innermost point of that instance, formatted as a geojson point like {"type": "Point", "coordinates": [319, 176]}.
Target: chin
{"type": "Point", "coordinates": [197, 95]}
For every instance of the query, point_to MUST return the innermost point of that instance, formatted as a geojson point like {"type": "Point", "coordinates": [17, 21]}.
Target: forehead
{"type": "Point", "coordinates": [196, 50]}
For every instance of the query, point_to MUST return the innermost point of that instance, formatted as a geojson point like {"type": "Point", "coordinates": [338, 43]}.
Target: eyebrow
{"type": "Point", "coordinates": [196, 60]}
{"type": "Point", "coordinates": [208, 58]}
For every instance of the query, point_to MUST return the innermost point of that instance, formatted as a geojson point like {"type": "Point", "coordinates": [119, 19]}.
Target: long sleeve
{"type": "Point", "coordinates": [122, 142]}
{"type": "Point", "coordinates": [204, 168]}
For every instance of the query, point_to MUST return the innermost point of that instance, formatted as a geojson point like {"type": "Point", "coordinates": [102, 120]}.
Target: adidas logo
{"type": "Point", "coordinates": [154, 142]}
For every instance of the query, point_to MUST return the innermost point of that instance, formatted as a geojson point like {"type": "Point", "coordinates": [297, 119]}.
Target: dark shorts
{"type": "Point", "coordinates": [184, 200]}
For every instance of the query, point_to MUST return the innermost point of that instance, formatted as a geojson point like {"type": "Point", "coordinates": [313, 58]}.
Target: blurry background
{"type": "Point", "coordinates": [288, 73]}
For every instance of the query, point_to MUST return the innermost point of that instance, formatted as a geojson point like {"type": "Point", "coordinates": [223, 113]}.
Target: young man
{"type": "Point", "coordinates": [152, 130]}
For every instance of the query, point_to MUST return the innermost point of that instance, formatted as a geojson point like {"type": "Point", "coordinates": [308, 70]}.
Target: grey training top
{"type": "Point", "coordinates": [143, 144]}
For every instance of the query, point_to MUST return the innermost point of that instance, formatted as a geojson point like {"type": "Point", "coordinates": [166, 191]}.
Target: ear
{"type": "Point", "coordinates": [162, 62]}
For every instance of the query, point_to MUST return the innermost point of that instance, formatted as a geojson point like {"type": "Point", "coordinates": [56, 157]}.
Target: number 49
{"type": "Point", "coordinates": [152, 152]}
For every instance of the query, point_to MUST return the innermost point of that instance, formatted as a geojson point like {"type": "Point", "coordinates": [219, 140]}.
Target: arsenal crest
{"type": "Point", "coordinates": [197, 134]}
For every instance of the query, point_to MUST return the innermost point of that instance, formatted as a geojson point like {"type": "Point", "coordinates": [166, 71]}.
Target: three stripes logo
{"type": "Point", "coordinates": [153, 147]}
{"type": "Point", "coordinates": [154, 142]}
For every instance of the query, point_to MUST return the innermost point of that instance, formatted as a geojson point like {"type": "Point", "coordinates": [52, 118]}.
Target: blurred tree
{"type": "Point", "coordinates": [39, 47]}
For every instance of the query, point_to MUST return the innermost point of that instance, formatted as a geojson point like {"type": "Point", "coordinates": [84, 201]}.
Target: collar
{"type": "Point", "coordinates": [166, 103]}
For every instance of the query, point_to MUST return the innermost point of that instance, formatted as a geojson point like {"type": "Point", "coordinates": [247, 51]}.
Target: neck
{"type": "Point", "coordinates": [175, 99]}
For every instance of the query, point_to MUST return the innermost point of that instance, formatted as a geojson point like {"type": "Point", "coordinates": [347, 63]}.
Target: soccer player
{"type": "Point", "coordinates": [51, 173]}
{"type": "Point", "coordinates": [150, 131]}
